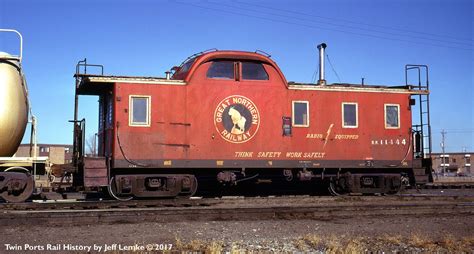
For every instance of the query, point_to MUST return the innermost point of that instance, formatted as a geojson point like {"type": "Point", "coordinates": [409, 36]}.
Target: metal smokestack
{"type": "Point", "coordinates": [321, 48]}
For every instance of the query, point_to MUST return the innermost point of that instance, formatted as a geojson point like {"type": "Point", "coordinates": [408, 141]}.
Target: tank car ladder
{"type": "Point", "coordinates": [422, 143]}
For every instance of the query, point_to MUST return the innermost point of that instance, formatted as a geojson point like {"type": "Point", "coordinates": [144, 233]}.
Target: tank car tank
{"type": "Point", "coordinates": [13, 104]}
{"type": "Point", "coordinates": [16, 181]}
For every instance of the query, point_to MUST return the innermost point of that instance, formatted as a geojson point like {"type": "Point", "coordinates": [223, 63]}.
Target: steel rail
{"type": "Point", "coordinates": [242, 211]}
{"type": "Point", "coordinates": [229, 200]}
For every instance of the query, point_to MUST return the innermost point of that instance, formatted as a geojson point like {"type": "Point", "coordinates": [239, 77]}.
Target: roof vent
{"type": "Point", "coordinates": [321, 48]}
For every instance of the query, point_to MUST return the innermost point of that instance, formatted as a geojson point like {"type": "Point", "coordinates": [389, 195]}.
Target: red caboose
{"type": "Point", "coordinates": [231, 116]}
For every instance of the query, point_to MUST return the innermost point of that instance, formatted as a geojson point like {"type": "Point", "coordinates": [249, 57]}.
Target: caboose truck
{"type": "Point", "coordinates": [230, 117]}
{"type": "Point", "coordinates": [18, 175]}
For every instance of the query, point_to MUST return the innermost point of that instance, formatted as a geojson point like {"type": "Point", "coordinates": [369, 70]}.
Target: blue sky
{"type": "Point", "coordinates": [366, 38]}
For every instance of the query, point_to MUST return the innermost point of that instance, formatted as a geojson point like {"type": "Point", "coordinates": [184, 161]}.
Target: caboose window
{"type": "Point", "coordinates": [139, 110]}
{"type": "Point", "coordinates": [349, 115]}
{"type": "Point", "coordinates": [253, 71]}
{"type": "Point", "coordinates": [221, 70]}
{"type": "Point", "coordinates": [392, 116]}
{"type": "Point", "coordinates": [300, 113]}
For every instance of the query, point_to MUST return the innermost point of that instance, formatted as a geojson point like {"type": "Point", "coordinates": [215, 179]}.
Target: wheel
{"type": "Point", "coordinates": [336, 188]}
{"type": "Point", "coordinates": [393, 191]}
{"type": "Point", "coordinates": [20, 187]}
{"type": "Point", "coordinates": [193, 190]}
{"type": "Point", "coordinates": [396, 188]}
{"type": "Point", "coordinates": [112, 192]}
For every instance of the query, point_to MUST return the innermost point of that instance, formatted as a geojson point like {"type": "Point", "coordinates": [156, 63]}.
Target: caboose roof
{"type": "Point", "coordinates": [95, 84]}
{"type": "Point", "coordinates": [130, 79]}
{"type": "Point", "coordinates": [345, 87]}
{"type": "Point", "coordinates": [92, 84]}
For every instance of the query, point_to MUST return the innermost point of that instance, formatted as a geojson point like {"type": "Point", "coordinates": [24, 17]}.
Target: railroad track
{"type": "Point", "coordinates": [237, 208]}
{"type": "Point", "coordinates": [226, 200]}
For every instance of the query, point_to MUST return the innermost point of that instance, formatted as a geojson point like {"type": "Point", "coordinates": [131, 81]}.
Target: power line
{"type": "Point", "coordinates": [337, 25]}
{"type": "Point", "coordinates": [456, 130]}
{"type": "Point", "coordinates": [354, 22]}
{"type": "Point", "coordinates": [316, 27]}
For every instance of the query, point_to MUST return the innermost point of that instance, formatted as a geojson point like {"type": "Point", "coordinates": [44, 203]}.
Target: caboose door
{"type": "Point", "coordinates": [105, 129]}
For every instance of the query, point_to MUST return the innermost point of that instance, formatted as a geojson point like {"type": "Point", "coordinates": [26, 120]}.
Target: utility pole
{"type": "Point", "coordinates": [443, 167]}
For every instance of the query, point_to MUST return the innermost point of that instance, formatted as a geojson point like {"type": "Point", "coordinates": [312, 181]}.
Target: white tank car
{"type": "Point", "coordinates": [13, 104]}
{"type": "Point", "coordinates": [16, 181]}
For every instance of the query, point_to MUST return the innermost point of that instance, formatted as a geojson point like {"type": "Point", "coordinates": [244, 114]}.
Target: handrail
{"type": "Point", "coordinates": [21, 40]}
{"type": "Point", "coordinates": [418, 67]}
{"type": "Point", "coordinates": [83, 63]}
{"type": "Point", "coordinates": [261, 52]}
{"type": "Point", "coordinates": [78, 141]}
{"type": "Point", "coordinates": [197, 54]}
{"type": "Point", "coordinates": [424, 128]}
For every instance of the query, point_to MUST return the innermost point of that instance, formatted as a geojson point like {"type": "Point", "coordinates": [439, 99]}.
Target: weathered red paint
{"type": "Point", "coordinates": [183, 125]}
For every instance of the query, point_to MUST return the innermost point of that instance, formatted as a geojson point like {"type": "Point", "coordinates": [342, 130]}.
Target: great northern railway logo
{"type": "Point", "coordinates": [237, 119]}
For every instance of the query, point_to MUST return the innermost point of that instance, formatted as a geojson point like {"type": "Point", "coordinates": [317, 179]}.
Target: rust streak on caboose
{"type": "Point", "coordinates": [231, 116]}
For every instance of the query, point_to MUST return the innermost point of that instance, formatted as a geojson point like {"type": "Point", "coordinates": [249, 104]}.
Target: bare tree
{"type": "Point", "coordinates": [91, 149]}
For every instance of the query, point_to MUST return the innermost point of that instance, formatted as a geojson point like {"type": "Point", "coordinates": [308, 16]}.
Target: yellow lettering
{"type": "Point", "coordinates": [294, 154]}
{"type": "Point", "coordinates": [268, 154]}
{"type": "Point", "coordinates": [244, 154]}
{"type": "Point", "coordinates": [314, 135]}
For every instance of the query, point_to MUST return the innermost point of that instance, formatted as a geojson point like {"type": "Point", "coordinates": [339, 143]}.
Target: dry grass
{"type": "Point", "coordinates": [329, 244]}
{"type": "Point", "coordinates": [211, 247]}
{"type": "Point", "coordinates": [340, 244]}
{"type": "Point", "coordinates": [416, 242]}
{"type": "Point", "coordinates": [392, 239]}
{"type": "Point", "coordinates": [422, 241]}
{"type": "Point", "coordinates": [300, 244]}
{"type": "Point", "coordinates": [451, 244]}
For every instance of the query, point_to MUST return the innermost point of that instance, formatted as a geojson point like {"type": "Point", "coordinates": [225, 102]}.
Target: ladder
{"type": "Point", "coordinates": [422, 130]}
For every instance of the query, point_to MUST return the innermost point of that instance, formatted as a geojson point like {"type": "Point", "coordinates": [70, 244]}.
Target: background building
{"type": "Point", "coordinates": [452, 163]}
{"type": "Point", "coordinates": [58, 154]}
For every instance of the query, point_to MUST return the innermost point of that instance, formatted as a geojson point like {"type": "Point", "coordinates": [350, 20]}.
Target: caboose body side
{"type": "Point", "coordinates": [226, 113]}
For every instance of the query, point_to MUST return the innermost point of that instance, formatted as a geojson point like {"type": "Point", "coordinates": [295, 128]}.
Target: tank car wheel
{"type": "Point", "coordinates": [112, 192]}
{"type": "Point", "coordinates": [17, 196]}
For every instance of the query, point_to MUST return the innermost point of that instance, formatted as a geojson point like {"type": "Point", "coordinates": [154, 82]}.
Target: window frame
{"type": "Point", "coordinates": [234, 70]}
{"type": "Point", "coordinates": [444, 160]}
{"type": "Point", "coordinates": [385, 116]}
{"type": "Point", "coordinates": [130, 111]}
{"type": "Point", "coordinates": [241, 71]}
{"type": "Point", "coordinates": [356, 112]}
{"type": "Point", "coordinates": [293, 114]}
